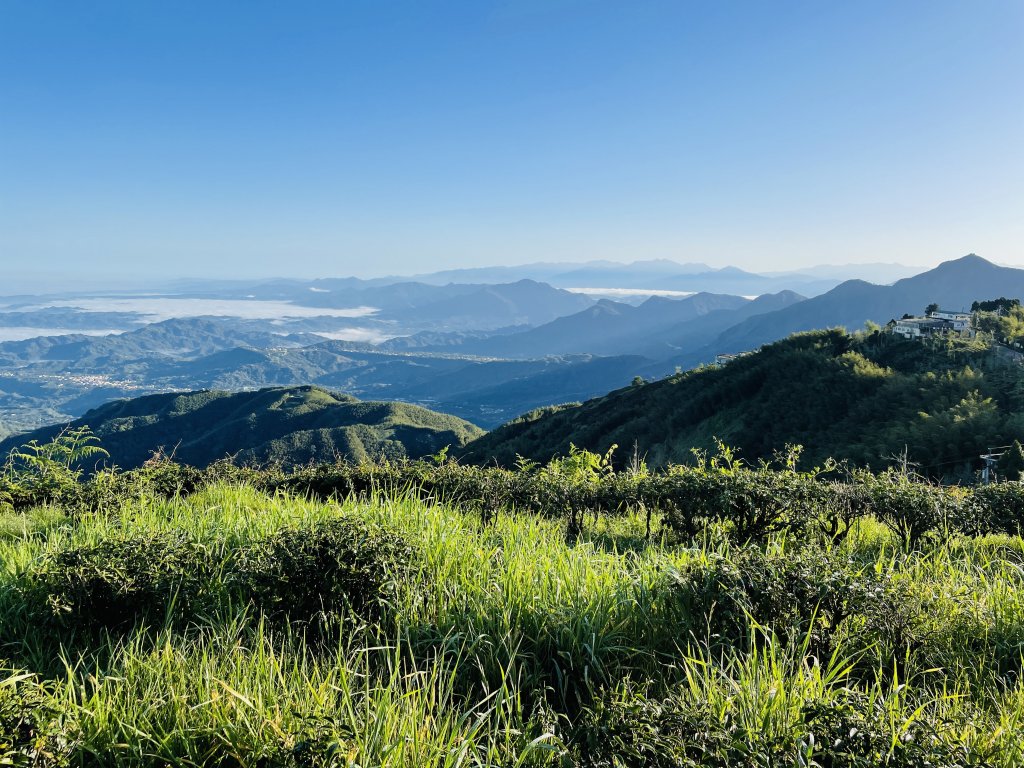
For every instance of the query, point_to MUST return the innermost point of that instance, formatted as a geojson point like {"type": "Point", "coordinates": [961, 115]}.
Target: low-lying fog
{"type": "Point", "coordinates": [157, 308]}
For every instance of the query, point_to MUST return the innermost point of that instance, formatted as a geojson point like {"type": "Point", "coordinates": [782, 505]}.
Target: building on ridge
{"type": "Point", "coordinates": [937, 322]}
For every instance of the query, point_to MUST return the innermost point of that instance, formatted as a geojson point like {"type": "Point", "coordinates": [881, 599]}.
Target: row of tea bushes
{"type": "Point", "coordinates": [747, 503]}
{"type": "Point", "coordinates": [336, 568]}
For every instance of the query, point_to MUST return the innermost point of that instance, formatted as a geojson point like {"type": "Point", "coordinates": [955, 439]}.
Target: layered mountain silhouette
{"type": "Point", "coordinates": [607, 328]}
{"type": "Point", "coordinates": [952, 285]}
{"type": "Point", "coordinates": [486, 353]}
{"type": "Point", "coordinates": [472, 306]}
{"type": "Point", "coordinates": [670, 275]}
{"type": "Point", "coordinates": [658, 327]}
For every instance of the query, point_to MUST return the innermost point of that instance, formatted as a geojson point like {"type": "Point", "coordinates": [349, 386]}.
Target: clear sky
{"type": "Point", "coordinates": [295, 138]}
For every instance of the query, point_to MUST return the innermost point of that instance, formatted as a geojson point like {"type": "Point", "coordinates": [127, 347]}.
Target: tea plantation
{"type": "Point", "coordinates": [429, 614]}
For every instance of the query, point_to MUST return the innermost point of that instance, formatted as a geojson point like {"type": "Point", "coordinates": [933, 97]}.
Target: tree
{"type": "Point", "coordinates": [931, 308]}
{"type": "Point", "coordinates": [1011, 463]}
{"type": "Point", "coordinates": [1002, 305]}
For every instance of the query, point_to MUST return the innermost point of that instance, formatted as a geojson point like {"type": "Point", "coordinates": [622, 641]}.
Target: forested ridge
{"type": "Point", "coordinates": [866, 398]}
{"type": "Point", "coordinates": [283, 425]}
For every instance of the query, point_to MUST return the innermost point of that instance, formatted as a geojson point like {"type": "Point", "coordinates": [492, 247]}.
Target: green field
{"type": "Point", "coordinates": [236, 626]}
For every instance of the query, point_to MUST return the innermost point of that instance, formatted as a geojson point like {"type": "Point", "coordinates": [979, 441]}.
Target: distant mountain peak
{"type": "Point", "coordinates": [971, 261]}
{"type": "Point", "coordinates": [970, 266]}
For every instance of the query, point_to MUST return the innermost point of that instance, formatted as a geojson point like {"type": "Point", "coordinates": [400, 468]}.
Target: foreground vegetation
{"type": "Point", "coordinates": [428, 614]}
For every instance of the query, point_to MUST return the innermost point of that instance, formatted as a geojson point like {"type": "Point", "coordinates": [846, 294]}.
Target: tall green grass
{"type": "Point", "coordinates": [500, 645]}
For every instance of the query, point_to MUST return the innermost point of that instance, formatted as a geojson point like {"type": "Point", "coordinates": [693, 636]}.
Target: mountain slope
{"type": "Point", "coordinates": [952, 285]}
{"type": "Point", "coordinates": [490, 394]}
{"type": "Point", "coordinates": [697, 333]}
{"type": "Point", "coordinates": [862, 398]}
{"type": "Point", "coordinates": [291, 425]}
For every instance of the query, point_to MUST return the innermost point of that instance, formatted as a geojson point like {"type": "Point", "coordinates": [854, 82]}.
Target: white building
{"type": "Point", "coordinates": [725, 358]}
{"type": "Point", "coordinates": [918, 327]}
{"type": "Point", "coordinates": [939, 321]}
{"type": "Point", "coordinates": [961, 321]}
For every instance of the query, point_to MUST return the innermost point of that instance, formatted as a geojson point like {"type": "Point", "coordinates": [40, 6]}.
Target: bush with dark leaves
{"type": "Point", "coordinates": [799, 596]}
{"type": "Point", "coordinates": [29, 727]}
{"type": "Point", "coordinates": [337, 566]}
{"type": "Point", "coordinates": [124, 580]}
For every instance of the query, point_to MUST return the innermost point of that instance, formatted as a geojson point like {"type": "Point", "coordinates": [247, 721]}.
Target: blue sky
{"type": "Point", "coordinates": [331, 138]}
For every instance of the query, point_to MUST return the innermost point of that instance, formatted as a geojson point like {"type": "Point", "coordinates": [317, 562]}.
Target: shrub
{"type": "Point", "coordinates": [306, 573]}
{"type": "Point", "coordinates": [999, 508]}
{"type": "Point", "coordinates": [298, 573]}
{"type": "Point", "coordinates": [912, 509]}
{"type": "Point", "coordinates": [749, 503]}
{"type": "Point", "coordinates": [852, 730]}
{"type": "Point", "coordinates": [799, 596]}
{"type": "Point", "coordinates": [637, 731]}
{"type": "Point", "coordinates": [121, 581]}
{"type": "Point", "coordinates": [848, 729]}
{"type": "Point", "coordinates": [29, 730]}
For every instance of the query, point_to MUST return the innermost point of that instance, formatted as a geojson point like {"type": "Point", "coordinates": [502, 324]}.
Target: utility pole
{"type": "Point", "coordinates": [990, 460]}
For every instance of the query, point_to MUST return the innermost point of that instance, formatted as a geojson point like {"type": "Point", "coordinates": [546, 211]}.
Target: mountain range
{"type": "Point", "coordinates": [952, 285]}
{"type": "Point", "coordinates": [657, 328]}
{"type": "Point", "coordinates": [683, 333]}
{"type": "Point", "coordinates": [665, 274]}
{"type": "Point", "coordinates": [486, 353]}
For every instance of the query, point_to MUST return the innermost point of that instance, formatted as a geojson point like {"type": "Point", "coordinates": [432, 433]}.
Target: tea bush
{"type": "Point", "coordinates": [118, 582]}
{"type": "Point", "coordinates": [337, 567]}
{"type": "Point", "coordinates": [639, 731]}
{"type": "Point", "coordinates": [332, 567]}
{"type": "Point", "coordinates": [999, 507]}
{"type": "Point", "coordinates": [30, 731]}
{"type": "Point", "coordinates": [804, 596]}
{"type": "Point", "coordinates": [748, 503]}
{"type": "Point", "coordinates": [843, 729]}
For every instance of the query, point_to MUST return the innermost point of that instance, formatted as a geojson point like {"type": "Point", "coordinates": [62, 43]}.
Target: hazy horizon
{"type": "Point", "coordinates": [29, 283]}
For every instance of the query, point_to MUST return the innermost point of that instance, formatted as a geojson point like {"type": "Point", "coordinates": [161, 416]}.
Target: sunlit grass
{"type": "Point", "coordinates": [504, 645]}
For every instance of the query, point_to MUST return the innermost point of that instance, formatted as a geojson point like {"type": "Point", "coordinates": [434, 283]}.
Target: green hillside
{"type": "Point", "coordinates": [861, 397]}
{"type": "Point", "coordinates": [290, 425]}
